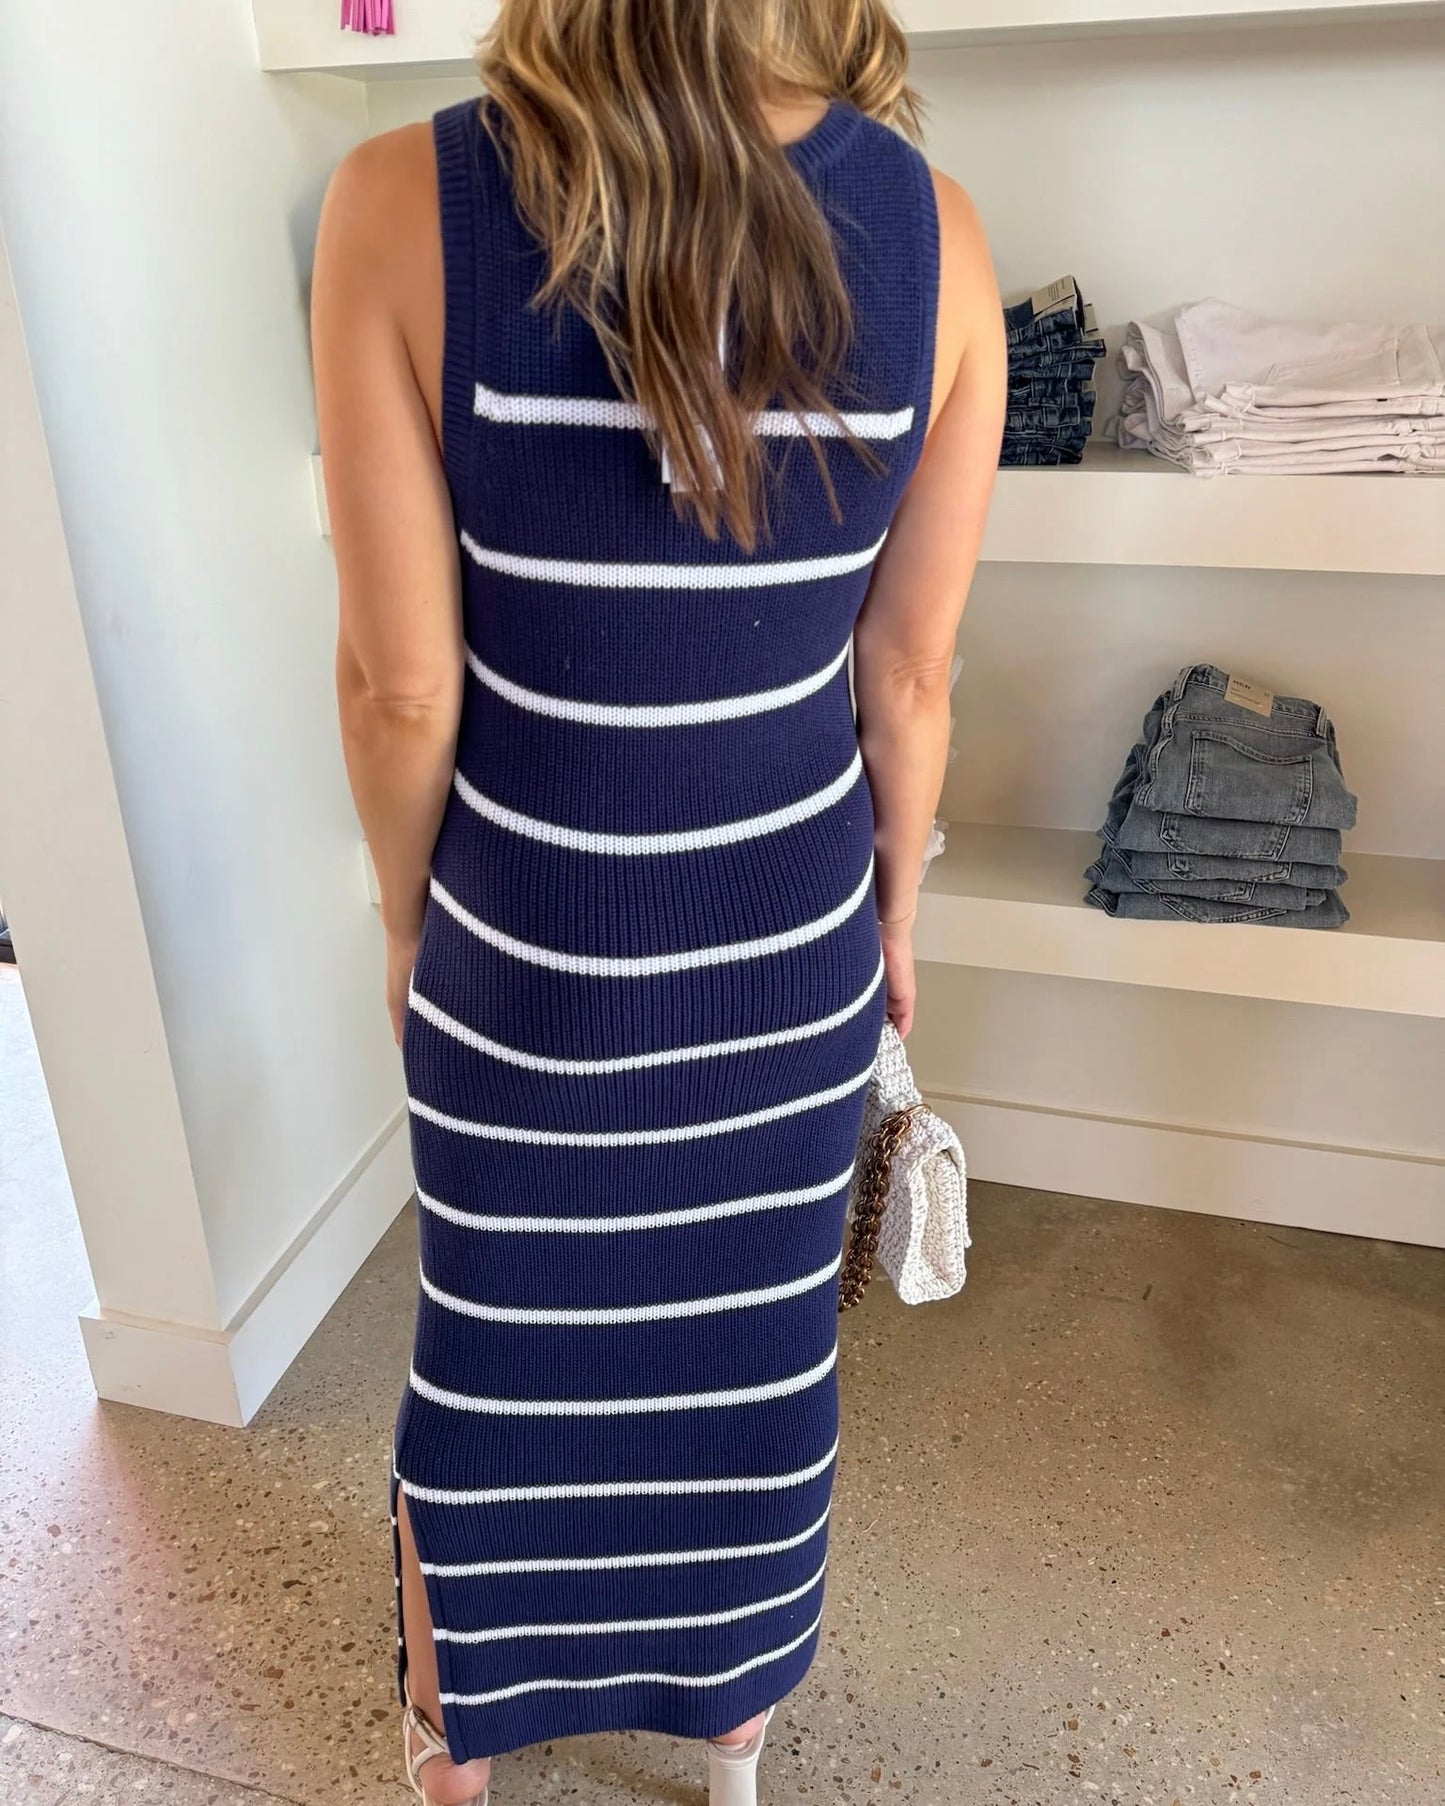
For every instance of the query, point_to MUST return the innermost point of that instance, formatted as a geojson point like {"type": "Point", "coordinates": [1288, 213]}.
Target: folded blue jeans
{"type": "Point", "coordinates": [1209, 756]}
{"type": "Point", "coordinates": [1060, 315]}
{"type": "Point", "coordinates": [1059, 363]}
{"type": "Point", "coordinates": [1059, 438]}
{"type": "Point", "coordinates": [1061, 324]}
{"type": "Point", "coordinates": [1021, 456]}
{"type": "Point", "coordinates": [1027, 390]}
{"type": "Point", "coordinates": [1037, 416]}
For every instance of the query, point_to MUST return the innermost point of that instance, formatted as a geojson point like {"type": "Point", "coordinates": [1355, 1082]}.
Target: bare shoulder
{"type": "Point", "coordinates": [381, 201]}
{"type": "Point", "coordinates": [970, 312]}
{"type": "Point", "coordinates": [378, 280]}
{"type": "Point", "coordinates": [963, 242]}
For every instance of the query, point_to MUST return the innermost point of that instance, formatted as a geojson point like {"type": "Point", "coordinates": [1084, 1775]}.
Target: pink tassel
{"type": "Point", "coordinates": [374, 17]}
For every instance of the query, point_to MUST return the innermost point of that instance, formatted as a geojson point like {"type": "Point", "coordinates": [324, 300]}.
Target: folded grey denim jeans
{"type": "Point", "coordinates": [1144, 906]}
{"type": "Point", "coordinates": [1209, 756]}
{"type": "Point", "coordinates": [1195, 868]}
{"type": "Point", "coordinates": [1148, 831]}
{"type": "Point", "coordinates": [1114, 871]}
{"type": "Point", "coordinates": [1139, 830]}
{"type": "Point", "coordinates": [1177, 865]}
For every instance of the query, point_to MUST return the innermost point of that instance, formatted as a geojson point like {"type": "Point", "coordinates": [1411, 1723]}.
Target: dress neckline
{"type": "Point", "coordinates": [826, 139]}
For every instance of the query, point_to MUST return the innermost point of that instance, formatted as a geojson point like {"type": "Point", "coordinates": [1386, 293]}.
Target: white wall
{"type": "Point", "coordinates": [1296, 171]}
{"type": "Point", "coordinates": [159, 197]}
{"type": "Point", "coordinates": [70, 897]}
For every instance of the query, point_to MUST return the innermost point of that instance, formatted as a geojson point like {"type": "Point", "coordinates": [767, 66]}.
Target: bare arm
{"type": "Point", "coordinates": [904, 641]}
{"type": "Point", "coordinates": [376, 304]}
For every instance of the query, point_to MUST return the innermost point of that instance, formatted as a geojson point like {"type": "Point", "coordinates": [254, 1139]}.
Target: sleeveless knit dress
{"type": "Point", "coordinates": [646, 1002]}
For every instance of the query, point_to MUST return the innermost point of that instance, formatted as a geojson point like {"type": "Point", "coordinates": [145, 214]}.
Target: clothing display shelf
{"type": "Point", "coordinates": [434, 37]}
{"type": "Point", "coordinates": [1009, 899]}
{"type": "Point", "coordinates": [1127, 508]}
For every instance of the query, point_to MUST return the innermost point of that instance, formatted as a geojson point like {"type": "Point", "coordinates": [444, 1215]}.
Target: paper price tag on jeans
{"type": "Point", "coordinates": [1247, 695]}
{"type": "Point", "coordinates": [1060, 294]}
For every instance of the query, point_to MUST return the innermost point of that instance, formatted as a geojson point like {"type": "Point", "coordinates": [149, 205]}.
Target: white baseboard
{"type": "Point", "coordinates": [161, 1366]}
{"type": "Point", "coordinates": [1348, 1191]}
{"type": "Point", "coordinates": [224, 1376]}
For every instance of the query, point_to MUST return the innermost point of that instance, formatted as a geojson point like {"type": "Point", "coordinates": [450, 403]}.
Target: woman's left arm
{"type": "Point", "coordinates": [399, 656]}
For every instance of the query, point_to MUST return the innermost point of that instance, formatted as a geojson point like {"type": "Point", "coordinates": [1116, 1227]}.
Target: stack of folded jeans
{"type": "Point", "coordinates": [1053, 345]}
{"type": "Point", "coordinates": [1216, 389]}
{"type": "Point", "coordinates": [1229, 810]}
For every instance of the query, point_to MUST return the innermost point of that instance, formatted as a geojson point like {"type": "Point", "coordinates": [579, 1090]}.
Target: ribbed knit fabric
{"type": "Point", "coordinates": [647, 998]}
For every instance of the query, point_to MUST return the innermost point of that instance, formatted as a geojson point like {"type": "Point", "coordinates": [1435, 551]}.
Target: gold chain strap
{"type": "Point", "coordinates": [883, 1145]}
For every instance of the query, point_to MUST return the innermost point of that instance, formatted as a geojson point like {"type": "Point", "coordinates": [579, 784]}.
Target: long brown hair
{"type": "Point", "coordinates": [643, 162]}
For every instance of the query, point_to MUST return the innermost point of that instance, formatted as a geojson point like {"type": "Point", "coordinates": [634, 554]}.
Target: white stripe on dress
{"type": "Point", "coordinates": [683, 840]}
{"type": "Point", "coordinates": [615, 1489]}
{"type": "Point", "coordinates": [667, 1056]}
{"type": "Point", "coordinates": [628, 1680]}
{"type": "Point", "coordinates": [612, 574]}
{"type": "Point", "coordinates": [631, 1626]}
{"type": "Point", "coordinates": [599, 1315]}
{"type": "Point", "coordinates": [652, 1219]}
{"type": "Point", "coordinates": [637, 1138]}
{"type": "Point", "coordinates": [655, 714]}
{"type": "Point", "coordinates": [626, 1407]}
{"type": "Point", "coordinates": [596, 411]}
{"type": "Point", "coordinates": [588, 1564]}
{"type": "Point", "coordinates": [597, 965]}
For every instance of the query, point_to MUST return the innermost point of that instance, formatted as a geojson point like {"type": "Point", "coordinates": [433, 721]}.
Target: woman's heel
{"type": "Point", "coordinates": [429, 1742]}
{"type": "Point", "coordinates": [733, 1769]}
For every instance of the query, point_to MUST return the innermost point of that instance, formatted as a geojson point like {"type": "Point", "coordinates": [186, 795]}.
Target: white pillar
{"type": "Point", "coordinates": [178, 848]}
{"type": "Point", "coordinates": [71, 900]}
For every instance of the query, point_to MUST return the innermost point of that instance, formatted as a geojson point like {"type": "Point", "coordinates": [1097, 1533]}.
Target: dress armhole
{"type": "Point", "coordinates": [929, 256]}
{"type": "Point", "coordinates": [454, 133]}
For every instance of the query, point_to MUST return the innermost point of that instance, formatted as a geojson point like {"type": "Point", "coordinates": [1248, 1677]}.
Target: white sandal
{"type": "Point", "coordinates": [733, 1768]}
{"type": "Point", "coordinates": [432, 1744]}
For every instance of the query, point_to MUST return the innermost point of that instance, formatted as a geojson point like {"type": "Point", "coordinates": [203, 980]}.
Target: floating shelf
{"type": "Point", "coordinates": [1125, 507]}
{"type": "Point", "coordinates": [435, 37]}
{"type": "Point", "coordinates": [1128, 508]}
{"type": "Point", "coordinates": [1011, 899]}
{"type": "Point", "coordinates": [945, 23]}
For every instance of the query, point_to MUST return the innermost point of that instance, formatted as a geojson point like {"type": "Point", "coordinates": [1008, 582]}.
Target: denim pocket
{"type": "Point", "coordinates": [1231, 778]}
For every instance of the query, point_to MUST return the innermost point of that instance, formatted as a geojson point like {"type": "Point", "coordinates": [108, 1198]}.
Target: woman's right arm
{"type": "Point", "coordinates": [904, 640]}
{"type": "Point", "coordinates": [399, 654]}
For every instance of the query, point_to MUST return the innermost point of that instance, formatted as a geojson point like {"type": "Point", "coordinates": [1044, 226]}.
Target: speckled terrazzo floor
{"type": "Point", "coordinates": [1151, 1515]}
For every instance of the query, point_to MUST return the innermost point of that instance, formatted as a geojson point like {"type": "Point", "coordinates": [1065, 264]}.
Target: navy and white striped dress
{"type": "Point", "coordinates": [647, 998]}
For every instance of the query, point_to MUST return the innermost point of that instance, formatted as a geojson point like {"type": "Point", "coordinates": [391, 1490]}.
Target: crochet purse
{"type": "Point", "coordinates": [907, 1204]}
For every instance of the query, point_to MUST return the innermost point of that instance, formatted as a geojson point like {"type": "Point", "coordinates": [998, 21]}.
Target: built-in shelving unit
{"type": "Point", "coordinates": [1126, 507]}
{"type": "Point", "coordinates": [434, 37]}
{"type": "Point", "coordinates": [950, 23]}
{"type": "Point", "coordinates": [1011, 899]}
{"type": "Point", "coordinates": [1131, 508]}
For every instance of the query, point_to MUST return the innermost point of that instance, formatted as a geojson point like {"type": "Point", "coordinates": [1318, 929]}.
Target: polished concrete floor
{"type": "Point", "coordinates": [1152, 1514]}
